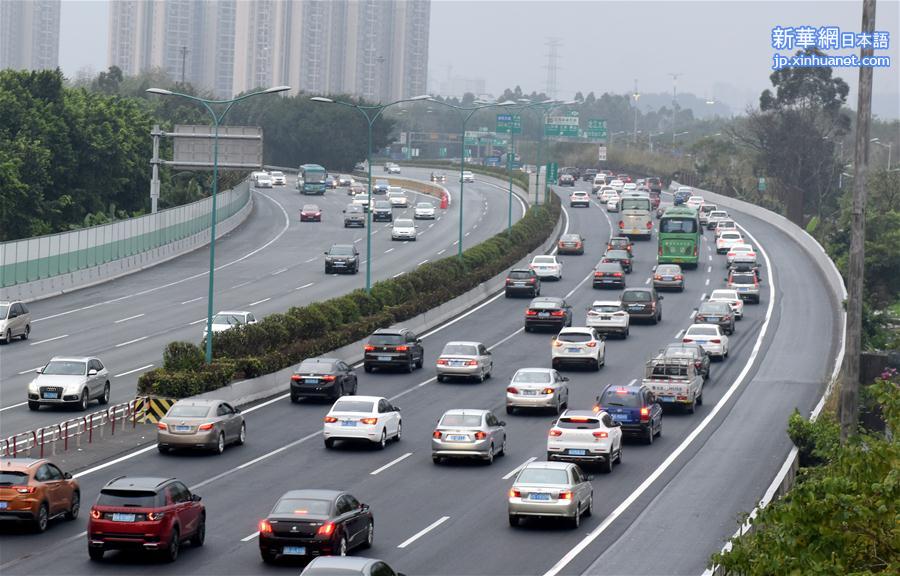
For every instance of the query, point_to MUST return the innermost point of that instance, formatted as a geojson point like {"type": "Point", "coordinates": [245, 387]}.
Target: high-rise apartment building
{"type": "Point", "coordinates": [29, 34]}
{"type": "Point", "coordinates": [377, 49]}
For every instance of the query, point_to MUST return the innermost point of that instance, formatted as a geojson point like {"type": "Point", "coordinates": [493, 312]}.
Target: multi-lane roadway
{"type": "Point", "coordinates": [663, 511]}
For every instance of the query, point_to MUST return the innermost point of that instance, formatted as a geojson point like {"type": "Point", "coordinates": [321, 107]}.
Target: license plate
{"type": "Point", "coordinates": [3, 505]}
{"type": "Point", "coordinates": [544, 314]}
{"type": "Point", "coordinates": [181, 428]}
{"type": "Point", "coordinates": [606, 317]}
{"type": "Point", "coordinates": [668, 278]}
{"type": "Point", "coordinates": [667, 398]}
{"type": "Point", "coordinates": [712, 318]}
{"type": "Point", "coordinates": [573, 350]}
{"type": "Point", "coordinates": [349, 423]}
{"type": "Point", "coordinates": [457, 438]}
{"type": "Point", "coordinates": [294, 550]}
{"type": "Point", "coordinates": [575, 452]}
{"type": "Point", "coordinates": [384, 358]}
{"type": "Point", "coordinates": [457, 362]}
{"type": "Point", "coordinates": [51, 395]}
{"type": "Point", "coordinates": [743, 289]}
{"type": "Point", "coordinates": [529, 392]}
{"type": "Point", "coordinates": [538, 496]}
{"type": "Point", "coordinates": [518, 284]}
{"type": "Point", "coordinates": [620, 417]}
{"type": "Point", "coordinates": [117, 517]}
{"type": "Point", "coordinates": [311, 380]}
{"type": "Point", "coordinates": [635, 307]}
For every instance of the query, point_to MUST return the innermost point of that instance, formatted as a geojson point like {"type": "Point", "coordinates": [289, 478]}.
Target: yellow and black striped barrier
{"type": "Point", "coordinates": [151, 408]}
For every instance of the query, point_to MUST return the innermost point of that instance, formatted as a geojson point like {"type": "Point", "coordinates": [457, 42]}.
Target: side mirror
{"type": "Point", "coordinates": [40, 370]}
{"type": "Point", "coordinates": [725, 279]}
{"type": "Point", "coordinates": [590, 477]}
{"type": "Point", "coordinates": [67, 475]}
{"type": "Point", "coordinates": [344, 211]}
{"type": "Point", "coordinates": [92, 372]}
{"type": "Point", "coordinates": [503, 422]}
{"type": "Point", "coordinates": [363, 507]}
{"type": "Point", "coordinates": [196, 498]}
{"type": "Point", "coordinates": [326, 253]}
{"type": "Point", "coordinates": [237, 410]}
{"type": "Point", "coordinates": [661, 297]}
{"type": "Point", "coordinates": [563, 378]}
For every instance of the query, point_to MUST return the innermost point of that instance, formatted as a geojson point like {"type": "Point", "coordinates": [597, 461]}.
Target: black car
{"type": "Point", "coordinates": [634, 408]}
{"type": "Point", "coordinates": [548, 312]}
{"type": "Point", "coordinates": [382, 211]}
{"type": "Point", "coordinates": [642, 304]}
{"type": "Point", "coordinates": [588, 174]}
{"type": "Point", "coordinates": [716, 313]}
{"type": "Point", "coordinates": [620, 243]}
{"type": "Point", "coordinates": [689, 350]}
{"type": "Point", "coordinates": [522, 281]}
{"type": "Point", "coordinates": [745, 268]}
{"type": "Point", "coordinates": [309, 523]}
{"type": "Point", "coordinates": [618, 256]}
{"type": "Point", "coordinates": [393, 348]}
{"type": "Point", "coordinates": [322, 378]}
{"type": "Point", "coordinates": [654, 184]}
{"type": "Point", "coordinates": [566, 180]}
{"type": "Point", "coordinates": [570, 244]}
{"type": "Point", "coordinates": [609, 275]}
{"type": "Point", "coordinates": [342, 258]}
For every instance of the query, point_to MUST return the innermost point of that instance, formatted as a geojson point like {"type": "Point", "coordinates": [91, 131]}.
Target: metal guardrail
{"type": "Point", "coordinates": [72, 431]}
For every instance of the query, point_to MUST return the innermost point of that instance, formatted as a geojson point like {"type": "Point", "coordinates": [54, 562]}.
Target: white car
{"type": "Point", "coordinates": [578, 345]}
{"type": "Point", "coordinates": [228, 319]}
{"type": "Point", "coordinates": [254, 176]}
{"type": "Point", "coordinates": [362, 200]}
{"type": "Point", "coordinates": [617, 185]}
{"type": "Point", "coordinates": [370, 418]}
{"type": "Point", "coordinates": [612, 205]}
{"type": "Point", "coordinates": [278, 178]}
{"type": "Point", "coordinates": [403, 229]}
{"type": "Point", "coordinates": [726, 240]}
{"type": "Point", "coordinates": [468, 176]}
{"type": "Point", "coordinates": [687, 189]}
{"type": "Point", "coordinates": [537, 388]}
{"type": "Point", "coordinates": [732, 298]}
{"type": "Point", "coordinates": [392, 168]}
{"type": "Point", "coordinates": [546, 267]}
{"type": "Point", "coordinates": [423, 211]}
{"type": "Point", "coordinates": [398, 199]}
{"type": "Point", "coordinates": [598, 183]}
{"type": "Point", "coordinates": [740, 253]}
{"type": "Point", "coordinates": [67, 381]}
{"type": "Point", "coordinates": [608, 317]}
{"type": "Point", "coordinates": [607, 193]}
{"type": "Point", "coordinates": [715, 217]}
{"type": "Point", "coordinates": [345, 181]}
{"type": "Point", "coordinates": [725, 226]}
{"type": "Point", "coordinates": [629, 186]}
{"type": "Point", "coordinates": [263, 181]}
{"type": "Point", "coordinates": [587, 437]}
{"type": "Point", "coordinates": [695, 202]}
{"type": "Point", "coordinates": [580, 198]}
{"type": "Point", "coordinates": [710, 337]}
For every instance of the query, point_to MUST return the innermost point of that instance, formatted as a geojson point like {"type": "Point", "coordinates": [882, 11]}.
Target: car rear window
{"type": "Point", "coordinates": [742, 278]}
{"type": "Point", "coordinates": [302, 507]}
{"type": "Point", "coordinates": [188, 411]}
{"type": "Point", "coordinates": [619, 254]}
{"type": "Point", "coordinates": [713, 308]}
{"type": "Point", "coordinates": [65, 368]}
{"type": "Point", "coordinates": [386, 339]}
{"type": "Point", "coordinates": [683, 225]}
{"type": "Point", "coordinates": [532, 377]}
{"type": "Point", "coordinates": [607, 308]}
{"type": "Point", "coordinates": [621, 397]}
{"type": "Point", "coordinates": [465, 420]}
{"type": "Point", "coordinates": [460, 349]}
{"type": "Point", "coordinates": [575, 337]}
{"type": "Point", "coordinates": [310, 208]}
{"type": "Point", "coordinates": [315, 366]}
{"type": "Point", "coordinates": [723, 295]}
{"type": "Point", "coordinates": [12, 478]}
{"type": "Point", "coordinates": [667, 270]}
{"type": "Point", "coordinates": [403, 224]}
{"type": "Point", "coordinates": [701, 331]}
{"type": "Point", "coordinates": [129, 499]}
{"type": "Point", "coordinates": [730, 236]}
{"type": "Point", "coordinates": [382, 205]}
{"type": "Point", "coordinates": [543, 476]}
{"type": "Point", "coordinates": [424, 205]}
{"type": "Point", "coordinates": [636, 296]}
{"type": "Point", "coordinates": [544, 260]}
{"type": "Point", "coordinates": [517, 274]}
{"type": "Point", "coordinates": [578, 423]}
{"type": "Point", "coordinates": [353, 406]}
{"type": "Point", "coordinates": [545, 305]}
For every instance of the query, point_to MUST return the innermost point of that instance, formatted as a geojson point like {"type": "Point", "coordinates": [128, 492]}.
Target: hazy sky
{"type": "Point", "coordinates": [721, 48]}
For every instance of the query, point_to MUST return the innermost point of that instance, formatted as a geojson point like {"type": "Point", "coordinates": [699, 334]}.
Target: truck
{"type": "Point", "coordinates": [674, 381]}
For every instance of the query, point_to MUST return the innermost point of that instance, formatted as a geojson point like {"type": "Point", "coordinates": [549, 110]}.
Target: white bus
{"type": "Point", "coordinates": [634, 216]}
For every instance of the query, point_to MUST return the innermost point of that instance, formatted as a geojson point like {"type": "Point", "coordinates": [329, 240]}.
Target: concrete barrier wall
{"type": "Point", "coordinates": [45, 266]}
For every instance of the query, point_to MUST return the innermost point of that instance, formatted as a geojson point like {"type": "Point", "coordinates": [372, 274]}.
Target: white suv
{"type": "Point", "coordinates": [578, 345]}
{"type": "Point", "coordinates": [546, 267]}
{"type": "Point", "coordinates": [584, 436]}
{"type": "Point", "coordinates": [608, 317]}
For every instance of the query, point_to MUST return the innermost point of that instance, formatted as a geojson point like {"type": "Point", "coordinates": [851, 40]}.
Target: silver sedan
{"type": "Point", "coordinates": [205, 424]}
{"type": "Point", "coordinates": [537, 388]}
{"type": "Point", "coordinates": [468, 434]}
{"type": "Point", "coordinates": [551, 489]}
{"type": "Point", "coordinates": [464, 360]}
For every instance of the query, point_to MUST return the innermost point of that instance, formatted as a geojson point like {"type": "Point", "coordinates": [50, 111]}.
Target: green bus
{"type": "Point", "coordinates": [679, 237]}
{"type": "Point", "coordinates": [311, 179]}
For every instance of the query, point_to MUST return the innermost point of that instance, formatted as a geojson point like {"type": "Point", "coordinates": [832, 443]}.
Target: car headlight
{"type": "Point", "coordinates": [33, 386]}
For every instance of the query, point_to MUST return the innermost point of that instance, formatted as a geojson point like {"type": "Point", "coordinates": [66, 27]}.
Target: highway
{"type": "Point", "coordinates": [662, 511]}
{"type": "Point", "coordinates": [270, 263]}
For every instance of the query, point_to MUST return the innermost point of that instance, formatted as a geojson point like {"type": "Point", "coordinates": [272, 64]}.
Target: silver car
{"type": "Point", "coordinates": [468, 434]}
{"type": "Point", "coordinates": [204, 424]}
{"type": "Point", "coordinates": [348, 566]}
{"type": "Point", "coordinates": [464, 360]}
{"type": "Point", "coordinates": [15, 320]}
{"type": "Point", "coordinates": [668, 276]}
{"type": "Point", "coordinates": [551, 489]}
{"type": "Point", "coordinates": [537, 388]}
{"type": "Point", "coordinates": [69, 381]}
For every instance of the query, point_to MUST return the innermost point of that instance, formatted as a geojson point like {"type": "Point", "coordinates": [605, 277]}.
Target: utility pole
{"type": "Point", "coordinates": [675, 76]}
{"type": "Point", "coordinates": [636, 95]}
{"type": "Point", "coordinates": [853, 337]}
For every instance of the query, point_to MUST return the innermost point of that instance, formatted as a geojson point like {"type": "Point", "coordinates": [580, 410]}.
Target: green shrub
{"type": "Point", "coordinates": [183, 356]}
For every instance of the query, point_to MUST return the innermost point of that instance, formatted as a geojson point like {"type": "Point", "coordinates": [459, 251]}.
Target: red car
{"type": "Point", "coordinates": [310, 213]}
{"type": "Point", "coordinates": [624, 178]}
{"type": "Point", "coordinates": [142, 513]}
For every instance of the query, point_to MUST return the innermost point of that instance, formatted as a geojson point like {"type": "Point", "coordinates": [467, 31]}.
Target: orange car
{"type": "Point", "coordinates": [37, 491]}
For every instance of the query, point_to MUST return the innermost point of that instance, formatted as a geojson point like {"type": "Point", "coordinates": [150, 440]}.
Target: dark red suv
{"type": "Point", "coordinates": [155, 514]}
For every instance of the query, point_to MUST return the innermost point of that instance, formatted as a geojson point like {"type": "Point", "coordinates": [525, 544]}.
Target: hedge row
{"type": "Point", "coordinates": [284, 339]}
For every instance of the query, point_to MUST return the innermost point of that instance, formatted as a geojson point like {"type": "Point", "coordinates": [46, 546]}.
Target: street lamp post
{"type": "Point", "coordinates": [888, 146]}
{"type": "Point", "coordinates": [650, 137]}
{"type": "Point", "coordinates": [217, 120]}
{"type": "Point", "coordinates": [676, 134]}
{"type": "Point", "coordinates": [371, 114]}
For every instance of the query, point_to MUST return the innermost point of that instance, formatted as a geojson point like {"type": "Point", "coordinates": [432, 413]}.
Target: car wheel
{"type": "Point", "coordinates": [510, 410]}
{"type": "Point", "coordinates": [43, 518]}
{"type": "Point", "coordinates": [700, 399]}
{"type": "Point", "coordinates": [242, 437]}
{"type": "Point", "coordinates": [342, 547]}
{"type": "Point", "coordinates": [27, 332]}
{"type": "Point", "coordinates": [575, 521]}
{"type": "Point", "coordinates": [338, 392]}
{"type": "Point", "coordinates": [171, 553]}
{"type": "Point", "coordinates": [220, 444]}
{"type": "Point", "coordinates": [162, 449]}
{"type": "Point", "coordinates": [96, 554]}
{"type": "Point", "coordinates": [200, 535]}
{"type": "Point", "coordinates": [85, 398]}
{"type": "Point", "coordinates": [608, 464]}
{"type": "Point", "coordinates": [437, 459]}
{"type": "Point", "coordinates": [383, 442]}
{"type": "Point", "coordinates": [420, 361]}
{"type": "Point", "coordinates": [489, 458]}
{"type": "Point", "coordinates": [399, 431]}
{"type": "Point", "coordinates": [72, 514]}
{"type": "Point", "coordinates": [34, 405]}
{"type": "Point", "coordinates": [8, 338]}
{"type": "Point", "coordinates": [726, 353]}
{"type": "Point", "coordinates": [527, 328]}
{"type": "Point", "coordinates": [502, 451]}
{"type": "Point", "coordinates": [549, 456]}
{"type": "Point", "coordinates": [692, 406]}
{"type": "Point", "coordinates": [513, 520]}
{"type": "Point", "coordinates": [597, 364]}
{"type": "Point", "coordinates": [105, 398]}
{"type": "Point", "coordinates": [370, 535]}
{"type": "Point", "coordinates": [367, 368]}
{"type": "Point", "coordinates": [295, 399]}
{"type": "Point", "coordinates": [329, 443]}
{"type": "Point", "coordinates": [480, 377]}
{"type": "Point", "coordinates": [649, 438]}
{"type": "Point", "coordinates": [626, 333]}
{"type": "Point", "coordinates": [590, 509]}
{"type": "Point", "coordinates": [559, 407]}
{"type": "Point", "coordinates": [411, 366]}
{"type": "Point", "coordinates": [619, 457]}
{"type": "Point", "coordinates": [659, 429]}
{"type": "Point", "coordinates": [506, 294]}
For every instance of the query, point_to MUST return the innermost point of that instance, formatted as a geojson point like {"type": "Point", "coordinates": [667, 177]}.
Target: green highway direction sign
{"type": "Point", "coordinates": [552, 172]}
{"type": "Point", "coordinates": [562, 125]}
{"type": "Point", "coordinates": [596, 129]}
{"type": "Point", "coordinates": [509, 123]}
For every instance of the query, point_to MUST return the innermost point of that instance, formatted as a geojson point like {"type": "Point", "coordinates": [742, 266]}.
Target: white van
{"type": "Point", "coordinates": [599, 182]}
{"type": "Point", "coordinates": [635, 217]}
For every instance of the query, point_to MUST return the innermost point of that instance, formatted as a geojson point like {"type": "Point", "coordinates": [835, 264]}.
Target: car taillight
{"type": "Point", "coordinates": [597, 408]}
{"type": "Point", "coordinates": [328, 378]}
{"type": "Point", "coordinates": [555, 432]}
{"type": "Point", "coordinates": [154, 516]}
{"type": "Point", "coordinates": [557, 313]}
{"type": "Point", "coordinates": [325, 529]}
{"type": "Point", "coordinates": [162, 426]}
{"type": "Point", "coordinates": [512, 390]}
{"type": "Point", "coordinates": [95, 514]}
{"type": "Point", "coordinates": [695, 249]}
{"type": "Point", "coordinates": [531, 312]}
{"type": "Point", "coordinates": [649, 225]}
{"type": "Point", "coordinates": [442, 362]}
{"type": "Point", "coordinates": [591, 344]}
{"type": "Point", "coordinates": [547, 391]}
{"type": "Point", "coordinates": [617, 274]}
{"type": "Point", "coordinates": [645, 414]}
{"type": "Point", "coordinates": [330, 419]}
{"type": "Point", "coordinates": [679, 277]}
{"type": "Point", "coordinates": [621, 225]}
{"type": "Point", "coordinates": [716, 341]}
{"type": "Point", "coordinates": [401, 348]}
{"type": "Point", "coordinates": [687, 339]}
{"type": "Point", "coordinates": [598, 274]}
{"type": "Point", "coordinates": [480, 435]}
{"type": "Point", "coordinates": [296, 377]}
{"type": "Point", "coordinates": [513, 493]}
{"type": "Point", "coordinates": [436, 434]}
{"type": "Point", "coordinates": [565, 495]}
{"type": "Point", "coordinates": [697, 364]}
{"type": "Point", "coordinates": [368, 348]}
{"type": "Point", "coordinates": [657, 277]}
{"type": "Point", "coordinates": [557, 343]}
{"type": "Point", "coordinates": [26, 489]}
{"type": "Point", "coordinates": [471, 362]}
{"type": "Point", "coordinates": [578, 244]}
{"type": "Point", "coordinates": [532, 280]}
{"type": "Point", "coordinates": [205, 427]}
{"type": "Point", "coordinates": [700, 318]}
{"type": "Point", "coordinates": [369, 421]}
{"type": "Point", "coordinates": [600, 434]}
{"type": "Point", "coordinates": [508, 281]}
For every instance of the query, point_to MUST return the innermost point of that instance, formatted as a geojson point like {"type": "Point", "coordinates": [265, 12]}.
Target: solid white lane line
{"type": "Point", "coordinates": [647, 281]}
{"type": "Point", "coordinates": [130, 342]}
{"type": "Point", "coordinates": [133, 371]}
{"type": "Point", "coordinates": [388, 250]}
{"type": "Point", "coordinates": [260, 301]}
{"type": "Point", "coordinates": [31, 370]}
{"type": "Point", "coordinates": [304, 286]}
{"type": "Point", "coordinates": [423, 532]}
{"type": "Point", "coordinates": [49, 339]}
{"type": "Point", "coordinates": [13, 406]}
{"type": "Point", "coordinates": [277, 272]}
{"type": "Point", "coordinates": [127, 319]}
{"type": "Point", "coordinates": [389, 464]}
{"type": "Point", "coordinates": [680, 334]}
{"type": "Point", "coordinates": [397, 275]}
{"type": "Point", "coordinates": [423, 262]}
{"type": "Point", "coordinates": [192, 300]}
{"type": "Point", "coordinates": [441, 251]}
{"type": "Point", "coordinates": [515, 470]}
{"type": "Point", "coordinates": [250, 537]}
{"type": "Point", "coordinates": [196, 321]}
{"type": "Point", "coordinates": [241, 284]}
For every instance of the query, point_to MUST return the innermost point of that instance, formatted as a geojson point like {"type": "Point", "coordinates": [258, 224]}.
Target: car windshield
{"type": "Point", "coordinates": [386, 339]}
{"type": "Point", "coordinates": [608, 308]}
{"type": "Point", "coordinates": [65, 368]}
{"type": "Point", "coordinates": [229, 319]}
{"type": "Point", "coordinates": [353, 406]}
{"type": "Point", "coordinates": [530, 377]}
{"type": "Point", "coordinates": [678, 225]}
{"type": "Point", "coordinates": [731, 236]}
{"type": "Point", "coordinates": [621, 397]}
{"type": "Point", "coordinates": [542, 476]}
{"type": "Point", "coordinates": [314, 177]}
{"type": "Point", "coordinates": [461, 420]}
{"type": "Point", "coordinates": [341, 251]}
{"type": "Point", "coordinates": [636, 204]}
{"type": "Point", "coordinates": [718, 214]}
{"type": "Point", "coordinates": [188, 411]}
{"type": "Point", "coordinates": [13, 478]}
{"type": "Point", "coordinates": [544, 260]}
{"type": "Point", "coordinates": [302, 507]}
{"type": "Point", "coordinates": [723, 295]}
{"type": "Point", "coordinates": [460, 349]}
{"type": "Point", "coordinates": [278, 174]}
{"type": "Point", "coordinates": [617, 254]}
{"type": "Point", "coordinates": [702, 331]}
{"type": "Point", "coordinates": [127, 498]}
{"type": "Point", "coordinates": [608, 267]}
{"type": "Point", "coordinates": [403, 224]}
{"type": "Point", "coordinates": [570, 238]}
{"type": "Point", "coordinates": [354, 208]}
{"type": "Point", "coordinates": [636, 296]}
{"type": "Point", "coordinates": [680, 351]}
{"type": "Point", "coordinates": [725, 224]}
{"type": "Point", "coordinates": [318, 366]}
{"type": "Point", "coordinates": [4, 310]}
{"type": "Point", "coordinates": [667, 270]}
{"type": "Point", "coordinates": [382, 205]}
{"type": "Point", "coordinates": [574, 337]}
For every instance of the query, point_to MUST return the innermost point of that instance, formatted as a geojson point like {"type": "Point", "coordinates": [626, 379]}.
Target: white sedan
{"type": "Point", "coordinates": [726, 225]}
{"type": "Point", "coordinates": [740, 253]}
{"type": "Point", "coordinates": [398, 199]}
{"type": "Point", "coordinates": [710, 338]}
{"type": "Point", "coordinates": [467, 176]}
{"type": "Point", "coordinates": [606, 194]}
{"type": "Point", "coordinates": [424, 210]}
{"type": "Point", "coordinates": [578, 345]}
{"type": "Point", "coordinates": [369, 418]}
{"type": "Point", "coordinates": [732, 298]}
{"type": "Point", "coordinates": [228, 319]}
{"type": "Point", "coordinates": [695, 202]}
{"type": "Point", "coordinates": [726, 240]}
{"type": "Point", "coordinates": [612, 205]}
{"type": "Point", "coordinates": [608, 317]}
{"type": "Point", "coordinates": [404, 229]}
{"type": "Point", "coordinates": [546, 267]}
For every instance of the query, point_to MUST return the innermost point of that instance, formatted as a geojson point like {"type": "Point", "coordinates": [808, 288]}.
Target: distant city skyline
{"type": "Point", "coordinates": [29, 34]}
